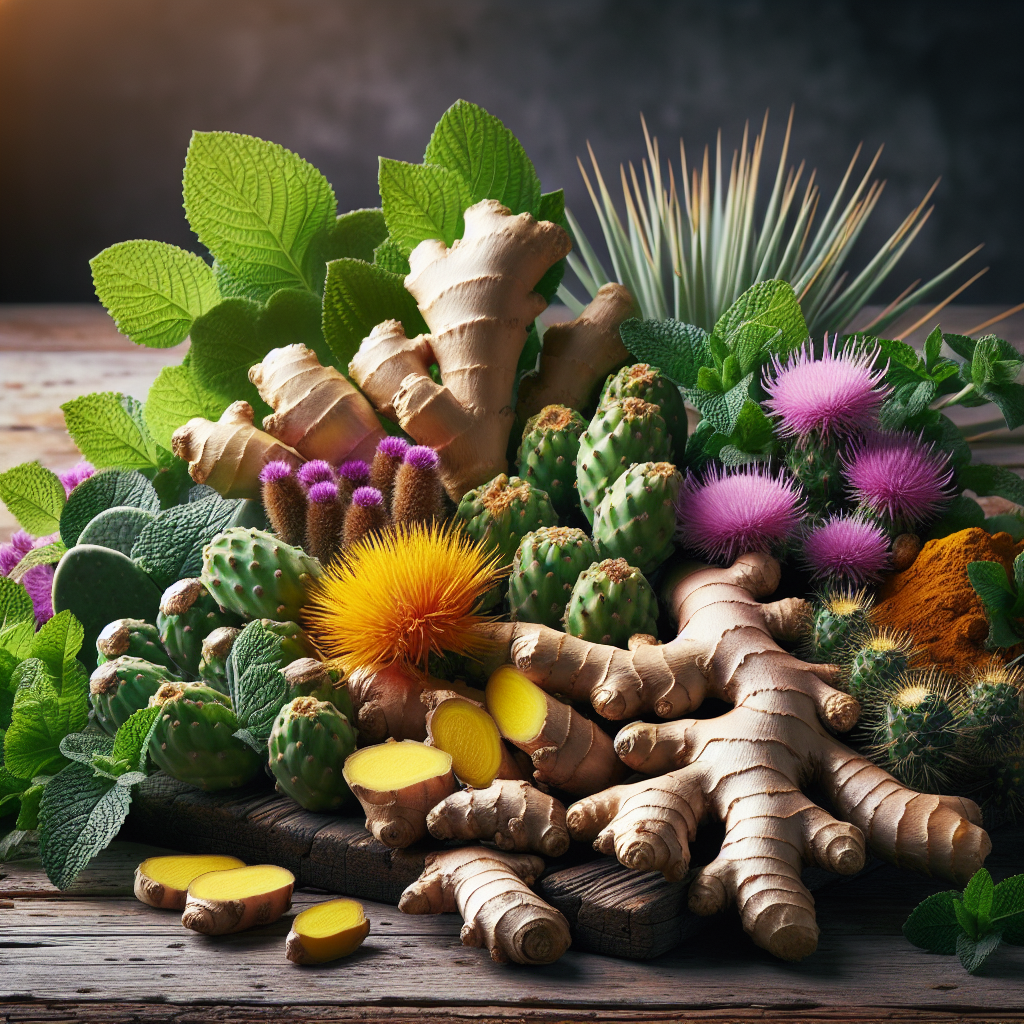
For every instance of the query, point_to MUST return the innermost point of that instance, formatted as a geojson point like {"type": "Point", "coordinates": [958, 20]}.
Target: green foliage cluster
{"type": "Point", "coordinates": [1003, 600]}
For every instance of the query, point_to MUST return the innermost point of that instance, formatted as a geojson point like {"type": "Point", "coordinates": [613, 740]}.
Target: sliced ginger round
{"type": "Point", "coordinates": [394, 766]}
{"type": "Point", "coordinates": [221, 902]}
{"type": "Point", "coordinates": [518, 706]}
{"type": "Point", "coordinates": [326, 932]}
{"type": "Point", "coordinates": [163, 881]}
{"type": "Point", "coordinates": [469, 734]}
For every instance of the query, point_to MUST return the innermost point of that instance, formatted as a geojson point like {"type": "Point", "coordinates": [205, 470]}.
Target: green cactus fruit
{"type": "Point", "coordinates": [649, 383]}
{"type": "Point", "coordinates": [879, 660]}
{"type": "Point", "coordinates": [99, 585]}
{"type": "Point", "coordinates": [993, 706]}
{"type": "Point", "coordinates": [544, 571]}
{"type": "Point", "coordinates": [817, 466]}
{"type": "Point", "coordinates": [308, 746]}
{"type": "Point", "coordinates": [621, 434]}
{"type": "Point", "coordinates": [501, 513]}
{"type": "Point", "coordinates": [133, 638]}
{"type": "Point", "coordinates": [194, 738]}
{"type": "Point", "coordinates": [188, 615]}
{"type": "Point", "coordinates": [611, 602]}
{"type": "Point", "coordinates": [839, 616]}
{"type": "Point", "coordinates": [252, 573]}
{"type": "Point", "coordinates": [916, 732]}
{"type": "Point", "coordinates": [307, 677]}
{"type": "Point", "coordinates": [636, 518]}
{"type": "Point", "coordinates": [213, 665]}
{"type": "Point", "coordinates": [119, 688]}
{"type": "Point", "coordinates": [295, 643]}
{"type": "Point", "coordinates": [547, 454]}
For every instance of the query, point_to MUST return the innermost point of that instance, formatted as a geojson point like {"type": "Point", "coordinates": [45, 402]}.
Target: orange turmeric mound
{"type": "Point", "coordinates": [934, 601]}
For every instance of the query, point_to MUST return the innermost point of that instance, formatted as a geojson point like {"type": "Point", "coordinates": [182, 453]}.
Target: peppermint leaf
{"type": "Point", "coordinates": [422, 201]}
{"type": "Point", "coordinates": [1008, 909]}
{"type": "Point", "coordinates": [175, 397]}
{"type": "Point", "coordinates": [978, 897]}
{"type": "Point", "coordinates": [41, 718]}
{"type": "Point", "coordinates": [34, 496]}
{"type": "Point", "coordinates": [131, 742]}
{"type": "Point", "coordinates": [110, 430]}
{"type": "Point", "coordinates": [973, 953]}
{"type": "Point", "coordinates": [933, 923]}
{"type": "Point", "coordinates": [679, 350]}
{"type": "Point", "coordinates": [771, 304]}
{"type": "Point", "coordinates": [355, 235]}
{"type": "Point", "coordinates": [389, 256]}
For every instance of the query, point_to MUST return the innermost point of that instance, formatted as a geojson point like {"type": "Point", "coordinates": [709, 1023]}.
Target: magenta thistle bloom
{"type": "Point", "coordinates": [392, 447]}
{"type": "Point", "coordinates": [833, 396]}
{"type": "Point", "coordinates": [730, 512]}
{"type": "Point", "coordinates": [323, 492]}
{"type": "Point", "coordinates": [847, 548]}
{"type": "Point", "coordinates": [273, 471]}
{"type": "Point", "coordinates": [899, 476]}
{"type": "Point", "coordinates": [355, 471]}
{"type": "Point", "coordinates": [421, 457]}
{"type": "Point", "coordinates": [72, 477]}
{"type": "Point", "coordinates": [315, 471]}
{"type": "Point", "coordinates": [367, 497]}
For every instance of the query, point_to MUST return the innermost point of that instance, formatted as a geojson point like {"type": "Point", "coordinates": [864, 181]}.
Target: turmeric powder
{"type": "Point", "coordinates": [934, 601]}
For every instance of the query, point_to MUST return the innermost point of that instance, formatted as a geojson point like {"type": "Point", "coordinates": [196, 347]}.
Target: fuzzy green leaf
{"type": "Point", "coordinates": [932, 348]}
{"type": "Point", "coordinates": [355, 235]}
{"type": "Point", "coordinates": [57, 645]}
{"type": "Point", "coordinates": [1008, 909]}
{"type": "Point", "coordinates": [48, 554]}
{"type": "Point", "coordinates": [261, 210]}
{"type": "Point", "coordinates": [422, 201]}
{"type": "Point", "coordinates": [487, 156]}
{"type": "Point", "coordinates": [978, 897]}
{"type": "Point", "coordinates": [770, 304]}
{"type": "Point", "coordinates": [84, 747]}
{"type": "Point", "coordinates": [679, 350]}
{"type": "Point", "coordinates": [175, 397]}
{"type": "Point", "coordinates": [357, 297]}
{"type": "Point", "coordinates": [15, 604]}
{"type": "Point", "coordinates": [389, 256]}
{"type": "Point", "coordinates": [1009, 399]}
{"type": "Point", "coordinates": [153, 290]}
{"type": "Point", "coordinates": [107, 489]}
{"type": "Point", "coordinates": [28, 815]}
{"type": "Point", "coordinates": [258, 688]}
{"type": "Point", "coordinates": [34, 496]}
{"type": "Point", "coordinates": [933, 923]}
{"type": "Point", "coordinates": [110, 430]}
{"type": "Point", "coordinates": [131, 743]}
{"type": "Point", "coordinates": [80, 813]}
{"type": "Point", "coordinates": [973, 953]}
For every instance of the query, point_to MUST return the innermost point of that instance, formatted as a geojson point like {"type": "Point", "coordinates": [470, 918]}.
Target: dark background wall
{"type": "Point", "coordinates": [97, 100]}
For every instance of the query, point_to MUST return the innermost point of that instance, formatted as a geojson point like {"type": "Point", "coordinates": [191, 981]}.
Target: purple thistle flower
{"type": "Point", "coordinates": [315, 471]}
{"type": "Point", "coordinates": [419, 456]}
{"type": "Point", "coordinates": [899, 476]}
{"type": "Point", "coordinates": [393, 447]}
{"type": "Point", "coordinates": [366, 497]}
{"type": "Point", "coordinates": [836, 395]}
{"type": "Point", "coordinates": [323, 492]}
{"type": "Point", "coordinates": [274, 471]}
{"type": "Point", "coordinates": [847, 547]}
{"type": "Point", "coordinates": [72, 477]}
{"type": "Point", "coordinates": [38, 581]}
{"type": "Point", "coordinates": [355, 471]}
{"type": "Point", "coordinates": [730, 512]}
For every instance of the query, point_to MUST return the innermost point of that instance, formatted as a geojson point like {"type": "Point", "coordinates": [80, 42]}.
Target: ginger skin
{"type": "Point", "coordinates": [477, 299]}
{"type": "Point", "coordinates": [578, 356]}
{"type": "Point", "coordinates": [229, 454]}
{"type": "Point", "coordinates": [491, 890]}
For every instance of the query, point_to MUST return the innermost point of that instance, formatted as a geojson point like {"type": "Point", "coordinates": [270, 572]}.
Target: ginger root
{"type": "Point", "coordinates": [491, 891]}
{"type": "Point", "coordinates": [316, 410]}
{"type": "Point", "coordinates": [327, 931]}
{"type": "Point", "coordinates": [163, 881]}
{"type": "Point", "coordinates": [228, 455]}
{"type": "Point", "coordinates": [477, 299]}
{"type": "Point", "coordinates": [223, 902]}
{"type": "Point", "coordinates": [747, 767]}
{"type": "Point", "coordinates": [514, 814]}
{"type": "Point", "coordinates": [578, 356]}
{"type": "Point", "coordinates": [568, 750]}
{"type": "Point", "coordinates": [397, 784]}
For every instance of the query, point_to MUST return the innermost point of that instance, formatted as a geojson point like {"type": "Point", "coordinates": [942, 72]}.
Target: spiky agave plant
{"type": "Point", "coordinates": [689, 255]}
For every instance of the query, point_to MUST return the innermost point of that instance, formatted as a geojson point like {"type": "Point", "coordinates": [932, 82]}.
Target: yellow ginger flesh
{"type": "Point", "coordinates": [518, 705]}
{"type": "Point", "coordinates": [178, 872]}
{"type": "Point", "coordinates": [240, 883]}
{"type": "Point", "coordinates": [327, 931]}
{"type": "Point", "coordinates": [469, 735]}
{"type": "Point", "coordinates": [394, 766]}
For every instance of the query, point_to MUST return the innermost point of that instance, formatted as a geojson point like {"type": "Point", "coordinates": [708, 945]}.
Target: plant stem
{"type": "Point", "coordinates": [953, 399]}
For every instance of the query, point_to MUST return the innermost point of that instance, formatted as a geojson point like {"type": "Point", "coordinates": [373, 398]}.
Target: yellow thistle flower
{"type": "Point", "coordinates": [401, 595]}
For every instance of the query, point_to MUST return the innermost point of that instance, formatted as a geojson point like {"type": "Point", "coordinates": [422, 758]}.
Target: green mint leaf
{"type": "Point", "coordinates": [709, 379]}
{"type": "Point", "coordinates": [487, 156]}
{"type": "Point", "coordinates": [771, 304]}
{"type": "Point", "coordinates": [357, 297]}
{"type": "Point", "coordinates": [978, 897]}
{"type": "Point", "coordinates": [355, 235]}
{"type": "Point", "coordinates": [116, 528]}
{"type": "Point", "coordinates": [85, 747]}
{"type": "Point", "coordinates": [258, 688]}
{"type": "Point", "coordinates": [48, 554]}
{"type": "Point", "coordinates": [57, 644]}
{"type": "Point", "coordinates": [170, 548]}
{"type": "Point", "coordinates": [1009, 398]}
{"type": "Point", "coordinates": [16, 636]}
{"type": "Point", "coordinates": [974, 953]}
{"type": "Point", "coordinates": [679, 350]}
{"type": "Point", "coordinates": [752, 433]}
{"type": "Point", "coordinates": [389, 256]}
{"type": "Point", "coordinates": [961, 345]}
{"type": "Point", "coordinates": [175, 397]}
{"type": "Point", "coordinates": [984, 480]}
{"type": "Point", "coordinates": [730, 372]}
{"type": "Point", "coordinates": [260, 210]}
{"type": "Point", "coordinates": [15, 604]}
{"type": "Point", "coordinates": [552, 208]}
{"type": "Point", "coordinates": [967, 920]}
{"type": "Point", "coordinates": [109, 488]}
{"type": "Point", "coordinates": [80, 813]}
{"type": "Point", "coordinates": [153, 290]}
{"type": "Point", "coordinates": [34, 496]}
{"type": "Point", "coordinates": [110, 430]}
{"type": "Point", "coordinates": [28, 815]}
{"type": "Point", "coordinates": [132, 740]}
{"type": "Point", "coordinates": [932, 348]}
{"type": "Point", "coordinates": [1008, 909]}
{"type": "Point", "coordinates": [39, 722]}
{"type": "Point", "coordinates": [933, 923]}
{"type": "Point", "coordinates": [753, 343]}
{"type": "Point", "coordinates": [422, 201]}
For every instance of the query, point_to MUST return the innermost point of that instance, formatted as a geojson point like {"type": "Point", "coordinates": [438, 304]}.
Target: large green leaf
{"type": "Point", "coordinates": [175, 397]}
{"type": "Point", "coordinates": [679, 350]}
{"type": "Point", "coordinates": [109, 488]}
{"type": "Point", "coordinates": [357, 297]}
{"type": "Point", "coordinates": [15, 604]}
{"type": "Point", "coordinates": [110, 430]}
{"type": "Point", "coordinates": [422, 201]}
{"type": "Point", "coordinates": [34, 496]}
{"type": "Point", "coordinates": [487, 156]}
{"type": "Point", "coordinates": [770, 304]}
{"type": "Point", "coordinates": [261, 210]}
{"type": "Point", "coordinates": [57, 645]}
{"type": "Point", "coordinates": [355, 235]}
{"type": "Point", "coordinates": [933, 924]}
{"type": "Point", "coordinates": [153, 290]}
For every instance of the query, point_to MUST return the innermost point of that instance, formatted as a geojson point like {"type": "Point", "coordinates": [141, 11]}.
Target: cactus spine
{"type": "Point", "coordinates": [840, 616]}
{"type": "Point", "coordinates": [878, 662]}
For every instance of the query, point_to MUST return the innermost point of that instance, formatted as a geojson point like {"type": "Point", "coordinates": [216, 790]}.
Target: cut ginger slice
{"type": "Point", "coordinates": [327, 931]}
{"type": "Point", "coordinates": [163, 881]}
{"type": "Point", "coordinates": [518, 706]}
{"type": "Point", "coordinates": [467, 732]}
{"type": "Point", "coordinates": [221, 902]}
{"type": "Point", "coordinates": [394, 766]}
